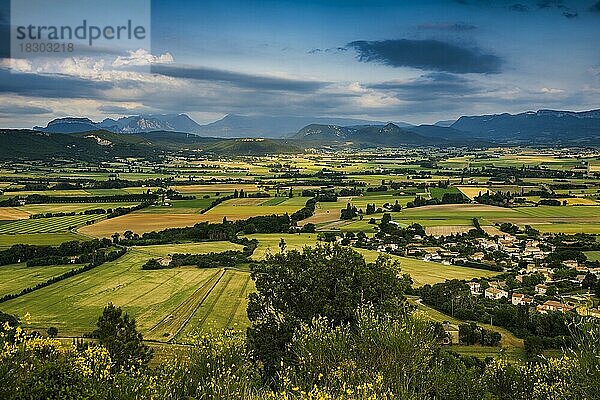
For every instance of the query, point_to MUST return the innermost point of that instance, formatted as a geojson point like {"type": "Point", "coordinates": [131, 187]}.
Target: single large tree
{"type": "Point", "coordinates": [117, 332]}
{"type": "Point", "coordinates": [295, 287]}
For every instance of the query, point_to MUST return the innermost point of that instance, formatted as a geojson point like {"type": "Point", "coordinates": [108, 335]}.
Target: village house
{"type": "Point", "coordinates": [547, 272]}
{"type": "Point", "coordinates": [432, 257]}
{"type": "Point", "coordinates": [531, 268]}
{"type": "Point", "coordinates": [475, 287]}
{"type": "Point", "coordinates": [498, 284]}
{"type": "Point", "coordinates": [387, 247]}
{"type": "Point", "coordinates": [495, 294]}
{"type": "Point", "coordinates": [519, 299]}
{"type": "Point", "coordinates": [570, 264]}
{"type": "Point", "coordinates": [552, 305]}
{"type": "Point", "coordinates": [541, 289]}
{"type": "Point", "coordinates": [579, 279]}
{"type": "Point", "coordinates": [582, 269]}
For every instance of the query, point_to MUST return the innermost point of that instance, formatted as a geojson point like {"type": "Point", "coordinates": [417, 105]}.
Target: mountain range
{"type": "Point", "coordinates": [230, 126]}
{"type": "Point", "coordinates": [537, 127]}
{"type": "Point", "coordinates": [132, 124]}
{"type": "Point", "coordinates": [544, 127]}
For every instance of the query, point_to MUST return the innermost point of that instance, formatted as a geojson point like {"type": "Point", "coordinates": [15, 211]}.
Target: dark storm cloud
{"type": "Point", "coordinates": [432, 55]}
{"type": "Point", "coordinates": [52, 86]}
{"type": "Point", "coordinates": [12, 109]}
{"type": "Point", "coordinates": [434, 85]}
{"type": "Point", "coordinates": [246, 81]}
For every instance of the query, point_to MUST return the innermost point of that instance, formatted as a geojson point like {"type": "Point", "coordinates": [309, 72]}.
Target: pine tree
{"type": "Point", "coordinates": [117, 332]}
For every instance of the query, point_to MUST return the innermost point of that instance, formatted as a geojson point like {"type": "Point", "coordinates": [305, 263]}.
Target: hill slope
{"type": "Point", "coordinates": [383, 135]}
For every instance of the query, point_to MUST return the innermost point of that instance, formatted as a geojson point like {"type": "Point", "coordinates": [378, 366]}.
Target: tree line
{"type": "Point", "coordinates": [99, 258]}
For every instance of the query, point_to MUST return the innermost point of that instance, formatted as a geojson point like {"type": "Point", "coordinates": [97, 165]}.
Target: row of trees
{"type": "Point", "coordinates": [44, 199]}
{"type": "Point", "coordinates": [25, 252]}
{"type": "Point", "coordinates": [99, 258]}
{"type": "Point", "coordinates": [206, 231]}
{"type": "Point", "coordinates": [227, 259]}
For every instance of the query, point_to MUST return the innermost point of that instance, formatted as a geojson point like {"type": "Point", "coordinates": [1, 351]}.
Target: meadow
{"type": "Point", "coordinates": [47, 239]}
{"type": "Point", "coordinates": [163, 250]}
{"type": "Point", "coordinates": [73, 305]}
{"type": "Point", "coordinates": [16, 277]}
{"type": "Point", "coordinates": [268, 243]}
{"type": "Point", "coordinates": [425, 272]}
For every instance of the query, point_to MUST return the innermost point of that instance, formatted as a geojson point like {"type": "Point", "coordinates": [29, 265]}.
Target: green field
{"type": "Point", "coordinates": [73, 305]}
{"type": "Point", "coordinates": [188, 248]}
{"type": "Point", "coordinates": [593, 255]}
{"type": "Point", "coordinates": [269, 243]}
{"type": "Point", "coordinates": [171, 305]}
{"type": "Point", "coordinates": [424, 272]}
{"type": "Point", "coordinates": [508, 339]}
{"type": "Point", "coordinates": [17, 277]}
{"type": "Point", "coordinates": [224, 307]}
{"type": "Point", "coordinates": [49, 239]}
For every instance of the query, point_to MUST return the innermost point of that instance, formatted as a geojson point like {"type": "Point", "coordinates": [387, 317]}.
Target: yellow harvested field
{"type": "Point", "coordinates": [447, 230]}
{"type": "Point", "coordinates": [324, 212]}
{"type": "Point", "coordinates": [12, 214]}
{"type": "Point", "coordinates": [473, 191]}
{"type": "Point", "coordinates": [579, 201]}
{"type": "Point", "coordinates": [141, 223]}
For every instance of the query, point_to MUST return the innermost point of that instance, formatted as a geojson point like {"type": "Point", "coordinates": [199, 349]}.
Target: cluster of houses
{"type": "Point", "coordinates": [514, 252]}
{"type": "Point", "coordinates": [498, 290]}
{"type": "Point", "coordinates": [527, 250]}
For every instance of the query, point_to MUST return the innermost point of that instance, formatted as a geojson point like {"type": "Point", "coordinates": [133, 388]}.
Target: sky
{"type": "Point", "coordinates": [412, 61]}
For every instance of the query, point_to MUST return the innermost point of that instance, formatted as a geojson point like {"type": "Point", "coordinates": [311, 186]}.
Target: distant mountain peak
{"type": "Point", "coordinates": [129, 125]}
{"type": "Point", "coordinates": [390, 127]}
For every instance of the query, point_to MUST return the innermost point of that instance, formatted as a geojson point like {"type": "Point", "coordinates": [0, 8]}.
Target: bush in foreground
{"type": "Point", "coordinates": [376, 358]}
